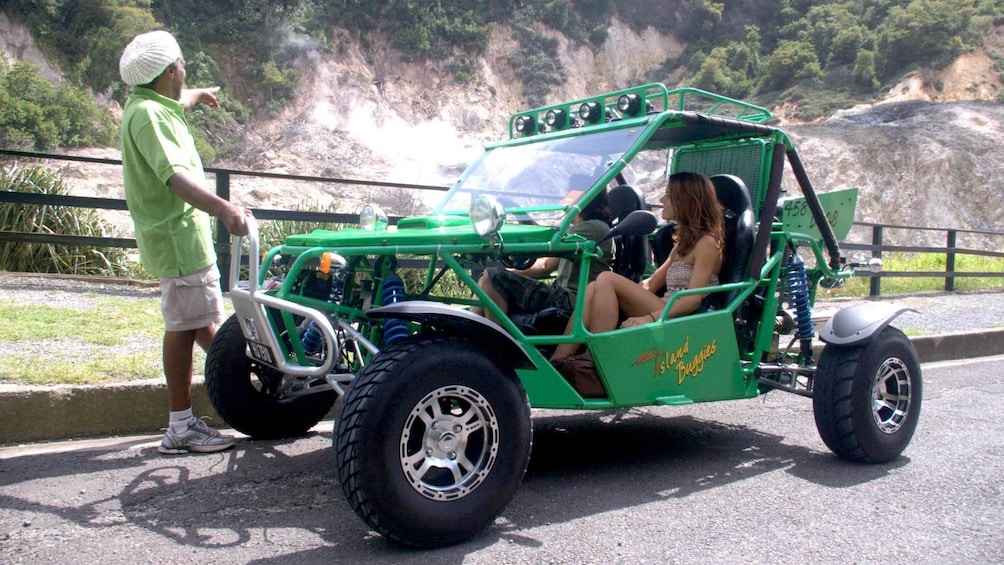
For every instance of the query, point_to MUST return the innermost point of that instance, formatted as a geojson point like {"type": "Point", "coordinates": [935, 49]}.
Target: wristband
{"type": "Point", "coordinates": [651, 315]}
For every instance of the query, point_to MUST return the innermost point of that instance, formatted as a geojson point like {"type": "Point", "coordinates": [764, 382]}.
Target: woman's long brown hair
{"type": "Point", "coordinates": [697, 210]}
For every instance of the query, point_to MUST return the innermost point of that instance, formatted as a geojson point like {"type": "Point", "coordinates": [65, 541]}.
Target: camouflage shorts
{"type": "Point", "coordinates": [525, 294]}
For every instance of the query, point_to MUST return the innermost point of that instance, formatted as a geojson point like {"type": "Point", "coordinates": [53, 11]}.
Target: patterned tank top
{"type": "Point", "coordinates": [678, 277]}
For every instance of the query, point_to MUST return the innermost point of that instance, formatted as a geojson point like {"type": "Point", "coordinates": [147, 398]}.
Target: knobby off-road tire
{"type": "Point", "coordinates": [240, 390]}
{"type": "Point", "coordinates": [866, 399]}
{"type": "Point", "coordinates": [432, 440]}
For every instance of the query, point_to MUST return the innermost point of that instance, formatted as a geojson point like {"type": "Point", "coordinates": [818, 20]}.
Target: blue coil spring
{"type": "Point", "coordinates": [337, 286]}
{"type": "Point", "coordinates": [798, 293]}
{"type": "Point", "coordinates": [311, 339]}
{"type": "Point", "coordinates": [393, 291]}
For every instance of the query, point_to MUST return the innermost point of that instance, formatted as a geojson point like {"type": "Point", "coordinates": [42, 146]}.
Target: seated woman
{"type": "Point", "coordinates": [694, 262]}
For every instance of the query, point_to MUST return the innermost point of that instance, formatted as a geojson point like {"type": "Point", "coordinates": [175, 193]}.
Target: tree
{"type": "Point", "coordinates": [922, 31]}
{"type": "Point", "coordinates": [36, 115]}
{"type": "Point", "coordinates": [864, 70]}
{"type": "Point", "coordinates": [791, 62]}
{"type": "Point", "coordinates": [727, 70]}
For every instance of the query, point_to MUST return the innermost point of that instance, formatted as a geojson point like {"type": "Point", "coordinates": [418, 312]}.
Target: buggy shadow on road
{"type": "Point", "coordinates": [584, 464]}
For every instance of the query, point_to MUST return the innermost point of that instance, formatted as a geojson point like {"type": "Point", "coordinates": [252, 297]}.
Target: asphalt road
{"type": "Point", "coordinates": [735, 482]}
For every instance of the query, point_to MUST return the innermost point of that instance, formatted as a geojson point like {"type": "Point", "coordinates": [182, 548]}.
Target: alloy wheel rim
{"type": "Point", "coordinates": [449, 443]}
{"type": "Point", "coordinates": [892, 392]}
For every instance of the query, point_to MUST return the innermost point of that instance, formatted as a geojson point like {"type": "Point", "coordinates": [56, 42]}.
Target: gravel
{"type": "Point", "coordinates": [939, 312]}
{"type": "Point", "coordinates": [71, 292]}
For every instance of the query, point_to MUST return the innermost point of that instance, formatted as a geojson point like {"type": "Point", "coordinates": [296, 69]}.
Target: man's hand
{"type": "Point", "coordinates": [233, 218]}
{"type": "Point", "coordinates": [207, 96]}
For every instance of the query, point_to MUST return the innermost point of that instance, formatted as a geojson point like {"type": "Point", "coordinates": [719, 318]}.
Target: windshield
{"type": "Point", "coordinates": [541, 176]}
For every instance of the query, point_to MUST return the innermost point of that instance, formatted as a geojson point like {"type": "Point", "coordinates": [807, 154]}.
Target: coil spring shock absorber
{"type": "Point", "coordinates": [312, 338]}
{"type": "Point", "coordinates": [798, 294]}
{"type": "Point", "coordinates": [393, 292]}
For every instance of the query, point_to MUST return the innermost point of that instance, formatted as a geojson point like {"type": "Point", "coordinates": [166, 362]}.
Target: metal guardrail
{"type": "Point", "coordinates": [223, 178]}
{"type": "Point", "coordinates": [950, 250]}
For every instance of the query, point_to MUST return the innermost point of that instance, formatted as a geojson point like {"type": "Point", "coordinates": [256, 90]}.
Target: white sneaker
{"type": "Point", "coordinates": [198, 438]}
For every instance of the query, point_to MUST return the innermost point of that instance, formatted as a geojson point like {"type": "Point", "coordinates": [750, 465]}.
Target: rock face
{"type": "Point", "coordinates": [16, 44]}
{"type": "Point", "coordinates": [928, 158]}
{"type": "Point", "coordinates": [916, 163]}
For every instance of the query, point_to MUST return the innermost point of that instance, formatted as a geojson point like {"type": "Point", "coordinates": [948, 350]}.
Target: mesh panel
{"type": "Point", "coordinates": [745, 160]}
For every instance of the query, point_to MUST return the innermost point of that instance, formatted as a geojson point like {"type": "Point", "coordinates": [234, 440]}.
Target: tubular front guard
{"type": "Point", "coordinates": [250, 303]}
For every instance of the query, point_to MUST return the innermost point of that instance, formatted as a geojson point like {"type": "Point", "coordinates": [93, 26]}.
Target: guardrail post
{"type": "Point", "coordinates": [876, 282]}
{"type": "Point", "coordinates": [950, 262]}
{"type": "Point", "coordinates": [222, 235]}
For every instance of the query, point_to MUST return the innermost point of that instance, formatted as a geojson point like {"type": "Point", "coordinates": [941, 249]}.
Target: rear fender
{"type": "Point", "coordinates": [454, 321]}
{"type": "Point", "coordinates": [857, 324]}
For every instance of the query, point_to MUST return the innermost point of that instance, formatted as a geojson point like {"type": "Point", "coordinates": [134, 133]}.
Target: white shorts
{"type": "Point", "coordinates": [193, 301]}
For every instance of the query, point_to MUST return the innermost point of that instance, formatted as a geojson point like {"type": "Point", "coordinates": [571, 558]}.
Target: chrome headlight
{"type": "Point", "coordinates": [487, 215]}
{"type": "Point", "coordinates": [372, 218]}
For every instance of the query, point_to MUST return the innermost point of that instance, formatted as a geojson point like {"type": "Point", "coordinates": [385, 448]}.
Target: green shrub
{"type": "Point", "coordinates": [63, 220]}
{"type": "Point", "coordinates": [36, 115]}
{"type": "Point", "coordinates": [792, 61]}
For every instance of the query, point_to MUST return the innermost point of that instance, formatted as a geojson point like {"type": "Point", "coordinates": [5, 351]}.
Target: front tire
{"type": "Point", "coordinates": [432, 440]}
{"type": "Point", "coordinates": [866, 399]}
{"type": "Point", "coordinates": [243, 391]}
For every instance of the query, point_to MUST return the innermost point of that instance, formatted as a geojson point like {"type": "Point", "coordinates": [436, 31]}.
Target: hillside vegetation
{"type": "Point", "coordinates": [835, 53]}
{"type": "Point", "coordinates": [410, 91]}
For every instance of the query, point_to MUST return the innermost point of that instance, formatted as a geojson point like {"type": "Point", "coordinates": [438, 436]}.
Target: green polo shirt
{"type": "Point", "coordinates": [174, 237]}
{"type": "Point", "coordinates": [568, 271]}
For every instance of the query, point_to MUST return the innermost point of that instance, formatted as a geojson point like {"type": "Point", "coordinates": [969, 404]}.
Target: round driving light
{"type": "Point", "coordinates": [629, 103]}
{"type": "Point", "coordinates": [372, 218]}
{"type": "Point", "coordinates": [556, 119]}
{"type": "Point", "coordinates": [875, 265]}
{"type": "Point", "coordinates": [589, 111]}
{"type": "Point", "coordinates": [487, 215]}
{"type": "Point", "coordinates": [526, 125]}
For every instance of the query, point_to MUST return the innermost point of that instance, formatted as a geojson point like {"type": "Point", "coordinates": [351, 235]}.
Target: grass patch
{"type": "Point", "coordinates": [930, 262]}
{"type": "Point", "coordinates": [111, 321]}
{"type": "Point", "coordinates": [107, 367]}
{"type": "Point", "coordinates": [99, 339]}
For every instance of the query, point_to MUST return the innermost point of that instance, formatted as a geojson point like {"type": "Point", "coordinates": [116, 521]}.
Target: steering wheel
{"type": "Point", "coordinates": [518, 261]}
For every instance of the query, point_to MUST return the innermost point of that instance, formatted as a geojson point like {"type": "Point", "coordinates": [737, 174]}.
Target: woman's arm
{"type": "Point", "coordinates": [707, 262]}
{"type": "Point", "coordinates": [657, 281]}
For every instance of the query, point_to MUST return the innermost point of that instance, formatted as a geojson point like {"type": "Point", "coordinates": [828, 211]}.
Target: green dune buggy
{"type": "Point", "coordinates": [432, 435]}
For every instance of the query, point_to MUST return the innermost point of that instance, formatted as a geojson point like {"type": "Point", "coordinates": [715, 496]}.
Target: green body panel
{"type": "Point", "coordinates": [839, 206]}
{"type": "Point", "coordinates": [689, 359]}
{"type": "Point", "coordinates": [683, 361]}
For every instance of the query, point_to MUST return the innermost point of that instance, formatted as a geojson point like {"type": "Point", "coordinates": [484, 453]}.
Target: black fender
{"type": "Point", "coordinates": [437, 316]}
{"type": "Point", "coordinates": [858, 323]}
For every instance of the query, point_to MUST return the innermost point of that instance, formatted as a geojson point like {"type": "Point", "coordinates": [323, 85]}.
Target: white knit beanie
{"type": "Point", "coordinates": [146, 57]}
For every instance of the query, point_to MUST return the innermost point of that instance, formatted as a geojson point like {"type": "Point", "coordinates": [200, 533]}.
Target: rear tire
{"type": "Point", "coordinates": [866, 399]}
{"type": "Point", "coordinates": [432, 440]}
{"type": "Point", "coordinates": [241, 391]}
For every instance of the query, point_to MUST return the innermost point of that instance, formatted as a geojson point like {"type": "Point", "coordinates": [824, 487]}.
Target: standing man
{"type": "Point", "coordinates": [170, 207]}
